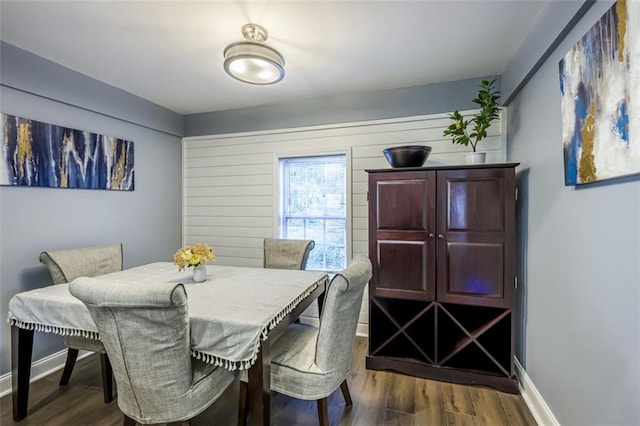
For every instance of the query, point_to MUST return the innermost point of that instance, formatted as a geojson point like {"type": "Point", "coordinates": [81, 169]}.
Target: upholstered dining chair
{"type": "Point", "coordinates": [311, 363]}
{"type": "Point", "coordinates": [67, 265]}
{"type": "Point", "coordinates": [145, 330]}
{"type": "Point", "coordinates": [286, 254]}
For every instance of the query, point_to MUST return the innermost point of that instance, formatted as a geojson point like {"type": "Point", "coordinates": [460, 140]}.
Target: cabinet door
{"type": "Point", "coordinates": [475, 236]}
{"type": "Point", "coordinates": [401, 234]}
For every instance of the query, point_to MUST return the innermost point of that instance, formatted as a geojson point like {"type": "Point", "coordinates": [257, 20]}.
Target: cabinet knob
{"type": "Point", "coordinates": [440, 236]}
{"type": "Point", "coordinates": [431, 235]}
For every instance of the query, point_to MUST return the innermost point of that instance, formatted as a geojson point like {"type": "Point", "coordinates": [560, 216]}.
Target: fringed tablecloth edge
{"type": "Point", "coordinates": [62, 331]}
{"type": "Point", "coordinates": [247, 363]}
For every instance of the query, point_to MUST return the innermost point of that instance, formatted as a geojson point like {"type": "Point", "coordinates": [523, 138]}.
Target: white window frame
{"type": "Point", "coordinates": [277, 185]}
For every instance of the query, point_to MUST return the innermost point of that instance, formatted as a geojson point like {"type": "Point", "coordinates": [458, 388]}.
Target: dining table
{"type": "Point", "coordinates": [234, 316]}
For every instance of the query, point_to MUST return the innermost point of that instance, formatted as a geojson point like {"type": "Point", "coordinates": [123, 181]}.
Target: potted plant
{"type": "Point", "coordinates": [472, 131]}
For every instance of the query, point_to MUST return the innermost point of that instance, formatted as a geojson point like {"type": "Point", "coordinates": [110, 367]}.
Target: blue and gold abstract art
{"type": "Point", "coordinates": [42, 154]}
{"type": "Point", "coordinates": [600, 87]}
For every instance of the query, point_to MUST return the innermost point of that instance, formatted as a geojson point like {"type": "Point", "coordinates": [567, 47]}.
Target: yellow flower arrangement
{"type": "Point", "coordinates": [195, 255]}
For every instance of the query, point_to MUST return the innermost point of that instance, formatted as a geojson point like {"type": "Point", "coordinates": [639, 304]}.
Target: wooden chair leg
{"type": "Point", "coordinates": [323, 411]}
{"type": "Point", "coordinates": [345, 392]}
{"type": "Point", "coordinates": [242, 404]}
{"type": "Point", "coordinates": [107, 378]}
{"type": "Point", "coordinates": [72, 354]}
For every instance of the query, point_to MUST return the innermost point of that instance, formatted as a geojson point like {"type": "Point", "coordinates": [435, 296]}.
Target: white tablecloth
{"type": "Point", "coordinates": [230, 313]}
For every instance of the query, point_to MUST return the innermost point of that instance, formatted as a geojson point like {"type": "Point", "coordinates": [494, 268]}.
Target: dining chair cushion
{"type": "Point", "coordinates": [294, 371]}
{"type": "Point", "coordinates": [84, 344]}
{"type": "Point", "coordinates": [286, 254]}
{"type": "Point", "coordinates": [145, 330]}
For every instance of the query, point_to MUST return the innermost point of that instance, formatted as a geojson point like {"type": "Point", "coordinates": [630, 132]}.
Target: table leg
{"type": "Point", "coordinates": [21, 350]}
{"type": "Point", "coordinates": [260, 387]}
{"type": "Point", "coordinates": [320, 304]}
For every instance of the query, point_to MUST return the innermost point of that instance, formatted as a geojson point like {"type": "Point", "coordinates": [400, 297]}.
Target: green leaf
{"type": "Point", "coordinates": [487, 99]}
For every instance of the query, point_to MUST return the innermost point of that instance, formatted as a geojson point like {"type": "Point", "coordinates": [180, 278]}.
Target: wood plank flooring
{"type": "Point", "coordinates": [379, 398]}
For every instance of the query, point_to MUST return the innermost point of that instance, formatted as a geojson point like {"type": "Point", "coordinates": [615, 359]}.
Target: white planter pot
{"type": "Point", "coordinates": [199, 273]}
{"type": "Point", "coordinates": [475, 158]}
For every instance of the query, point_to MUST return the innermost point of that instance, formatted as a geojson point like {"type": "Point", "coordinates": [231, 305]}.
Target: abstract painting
{"type": "Point", "coordinates": [600, 86]}
{"type": "Point", "coordinates": [42, 154]}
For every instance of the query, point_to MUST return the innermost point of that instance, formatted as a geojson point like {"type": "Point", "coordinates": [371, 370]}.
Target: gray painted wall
{"type": "Point", "coordinates": [147, 221]}
{"type": "Point", "coordinates": [580, 269]}
{"type": "Point", "coordinates": [406, 102]}
{"type": "Point", "coordinates": [555, 20]}
{"type": "Point", "coordinates": [27, 72]}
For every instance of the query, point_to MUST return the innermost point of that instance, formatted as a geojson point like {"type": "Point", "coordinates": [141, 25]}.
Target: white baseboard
{"type": "Point", "coordinates": [40, 368]}
{"type": "Point", "coordinates": [362, 330]}
{"type": "Point", "coordinates": [539, 409]}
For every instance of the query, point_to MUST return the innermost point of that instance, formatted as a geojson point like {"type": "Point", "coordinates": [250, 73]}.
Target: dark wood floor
{"type": "Point", "coordinates": [379, 398]}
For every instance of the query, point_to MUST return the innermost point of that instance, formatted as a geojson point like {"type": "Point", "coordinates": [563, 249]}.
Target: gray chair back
{"type": "Point", "coordinates": [145, 331]}
{"type": "Point", "coordinates": [340, 312]}
{"type": "Point", "coordinates": [286, 254]}
{"type": "Point", "coordinates": [67, 265]}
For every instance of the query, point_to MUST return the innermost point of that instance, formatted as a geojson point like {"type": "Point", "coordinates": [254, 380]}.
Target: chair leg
{"type": "Point", "coordinates": [345, 392]}
{"type": "Point", "coordinates": [72, 354]}
{"type": "Point", "coordinates": [323, 411]}
{"type": "Point", "coordinates": [242, 404]}
{"type": "Point", "coordinates": [107, 378]}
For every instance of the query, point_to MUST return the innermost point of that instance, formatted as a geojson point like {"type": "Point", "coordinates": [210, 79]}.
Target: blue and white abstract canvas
{"type": "Point", "coordinates": [600, 86]}
{"type": "Point", "coordinates": [42, 154]}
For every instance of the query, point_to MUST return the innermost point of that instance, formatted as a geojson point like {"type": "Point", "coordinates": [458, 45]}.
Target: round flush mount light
{"type": "Point", "coordinates": [252, 61]}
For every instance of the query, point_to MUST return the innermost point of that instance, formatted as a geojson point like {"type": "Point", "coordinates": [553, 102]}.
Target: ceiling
{"type": "Point", "coordinates": [170, 52]}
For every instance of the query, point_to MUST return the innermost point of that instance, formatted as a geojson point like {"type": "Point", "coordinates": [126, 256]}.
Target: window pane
{"type": "Point", "coordinates": [295, 229]}
{"type": "Point", "coordinates": [316, 186]}
{"type": "Point", "coordinates": [314, 203]}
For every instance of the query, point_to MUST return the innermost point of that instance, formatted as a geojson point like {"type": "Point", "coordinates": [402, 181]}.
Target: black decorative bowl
{"type": "Point", "coordinates": [407, 156]}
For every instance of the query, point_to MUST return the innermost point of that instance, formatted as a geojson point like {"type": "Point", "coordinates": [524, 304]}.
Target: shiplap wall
{"type": "Point", "coordinates": [229, 181]}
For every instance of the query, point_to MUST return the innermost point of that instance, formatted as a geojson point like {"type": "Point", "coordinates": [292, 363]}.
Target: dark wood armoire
{"type": "Point", "coordinates": [441, 300]}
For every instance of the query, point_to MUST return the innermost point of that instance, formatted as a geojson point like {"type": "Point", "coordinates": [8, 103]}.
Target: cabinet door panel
{"type": "Point", "coordinates": [402, 223]}
{"type": "Point", "coordinates": [403, 268]}
{"type": "Point", "coordinates": [401, 204]}
{"type": "Point", "coordinates": [475, 204]}
{"type": "Point", "coordinates": [475, 228]}
{"type": "Point", "coordinates": [474, 270]}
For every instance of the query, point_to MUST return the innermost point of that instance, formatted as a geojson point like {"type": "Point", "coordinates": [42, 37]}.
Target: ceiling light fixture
{"type": "Point", "coordinates": [252, 61]}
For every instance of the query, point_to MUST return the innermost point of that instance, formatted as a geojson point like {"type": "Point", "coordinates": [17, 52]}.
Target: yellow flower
{"type": "Point", "coordinates": [458, 125]}
{"type": "Point", "coordinates": [194, 255]}
{"type": "Point", "coordinates": [204, 251]}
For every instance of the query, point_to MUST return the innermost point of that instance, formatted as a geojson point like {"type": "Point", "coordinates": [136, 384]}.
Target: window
{"type": "Point", "coordinates": [313, 206]}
